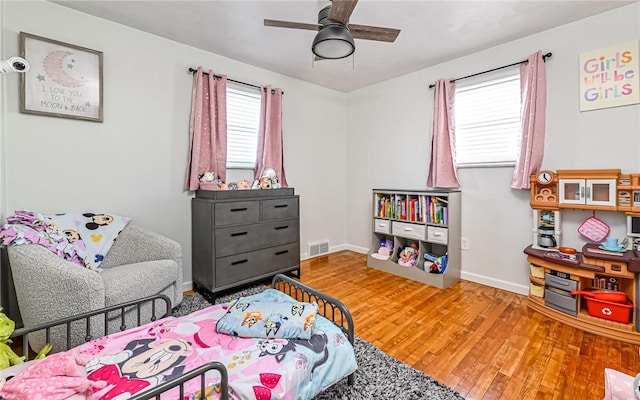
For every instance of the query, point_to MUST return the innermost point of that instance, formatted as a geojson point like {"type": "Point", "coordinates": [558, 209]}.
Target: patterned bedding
{"type": "Point", "coordinates": [132, 361]}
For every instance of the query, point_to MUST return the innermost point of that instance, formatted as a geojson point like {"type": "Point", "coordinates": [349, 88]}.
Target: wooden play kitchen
{"type": "Point", "coordinates": [595, 289]}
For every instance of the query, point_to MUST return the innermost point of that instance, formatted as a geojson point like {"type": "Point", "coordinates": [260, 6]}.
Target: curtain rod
{"type": "Point", "coordinates": [544, 58]}
{"type": "Point", "coordinates": [193, 71]}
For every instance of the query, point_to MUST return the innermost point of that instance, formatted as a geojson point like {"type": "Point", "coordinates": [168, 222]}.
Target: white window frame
{"type": "Point", "coordinates": [472, 130]}
{"type": "Point", "coordinates": [243, 124]}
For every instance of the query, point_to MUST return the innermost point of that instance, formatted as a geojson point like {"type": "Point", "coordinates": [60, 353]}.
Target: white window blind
{"type": "Point", "coordinates": [487, 121]}
{"type": "Point", "coordinates": [243, 122]}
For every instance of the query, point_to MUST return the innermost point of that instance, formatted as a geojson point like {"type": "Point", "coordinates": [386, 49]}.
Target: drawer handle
{"type": "Point", "coordinates": [407, 229]}
{"type": "Point", "coordinates": [282, 252]}
{"type": "Point", "coordinates": [436, 234]}
{"type": "Point", "coordinates": [281, 227]}
{"type": "Point", "coordinates": [238, 234]}
{"type": "Point", "coordinates": [281, 205]}
{"type": "Point", "coordinates": [239, 262]}
{"type": "Point", "coordinates": [382, 225]}
{"type": "Point", "coordinates": [239, 209]}
{"type": "Point", "coordinates": [559, 282]}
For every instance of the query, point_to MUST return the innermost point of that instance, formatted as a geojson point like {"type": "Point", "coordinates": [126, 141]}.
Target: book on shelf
{"type": "Point", "coordinates": [413, 210]}
{"type": "Point", "coordinates": [438, 211]}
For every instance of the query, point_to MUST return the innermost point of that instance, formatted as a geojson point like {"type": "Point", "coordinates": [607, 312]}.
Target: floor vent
{"type": "Point", "coordinates": [318, 248]}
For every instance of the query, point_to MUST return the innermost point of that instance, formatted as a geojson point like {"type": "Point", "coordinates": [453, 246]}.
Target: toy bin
{"type": "Point", "coordinates": [618, 312]}
{"type": "Point", "coordinates": [536, 271]}
{"type": "Point", "coordinates": [536, 290]}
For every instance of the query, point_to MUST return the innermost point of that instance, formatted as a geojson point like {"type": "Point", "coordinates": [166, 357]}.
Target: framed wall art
{"type": "Point", "coordinates": [64, 80]}
{"type": "Point", "coordinates": [609, 76]}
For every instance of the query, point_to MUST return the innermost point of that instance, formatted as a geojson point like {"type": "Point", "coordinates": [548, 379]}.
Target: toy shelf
{"type": "Point", "coordinates": [431, 220]}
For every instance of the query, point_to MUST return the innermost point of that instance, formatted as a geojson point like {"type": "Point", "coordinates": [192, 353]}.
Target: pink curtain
{"type": "Point", "coordinates": [270, 153]}
{"type": "Point", "coordinates": [208, 128]}
{"type": "Point", "coordinates": [442, 170]}
{"type": "Point", "coordinates": [533, 87]}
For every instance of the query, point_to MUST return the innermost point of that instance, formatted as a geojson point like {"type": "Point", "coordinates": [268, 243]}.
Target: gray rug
{"type": "Point", "coordinates": [379, 375]}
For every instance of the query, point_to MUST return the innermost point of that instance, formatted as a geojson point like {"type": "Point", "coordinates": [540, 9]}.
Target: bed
{"type": "Point", "coordinates": [186, 358]}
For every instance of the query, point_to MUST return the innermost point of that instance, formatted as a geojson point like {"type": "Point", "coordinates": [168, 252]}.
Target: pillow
{"type": "Point", "coordinates": [247, 317]}
{"type": "Point", "coordinates": [618, 386]}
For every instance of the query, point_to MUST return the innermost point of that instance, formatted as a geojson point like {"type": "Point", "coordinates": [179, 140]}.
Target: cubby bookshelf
{"type": "Point", "coordinates": [429, 218]}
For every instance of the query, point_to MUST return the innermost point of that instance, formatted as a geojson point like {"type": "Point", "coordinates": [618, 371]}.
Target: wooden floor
{"type": "Point", "coordinates": [483, 342]}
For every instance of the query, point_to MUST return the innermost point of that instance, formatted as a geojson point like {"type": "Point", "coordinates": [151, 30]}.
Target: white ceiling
{"type": "Point", "coordinates": [432, 32]}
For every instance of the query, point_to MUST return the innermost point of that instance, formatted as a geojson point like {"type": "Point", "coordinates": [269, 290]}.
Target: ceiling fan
{"type": "Point", "coordinates": [335, 34]}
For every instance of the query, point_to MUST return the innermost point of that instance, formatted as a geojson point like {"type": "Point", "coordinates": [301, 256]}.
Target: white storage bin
{"type": "Point", "coordinates": [407, 230]}
{"type": "Point", "coordinates": [437, 235]}
{"type": "Point", "coordinates": [382, 226]}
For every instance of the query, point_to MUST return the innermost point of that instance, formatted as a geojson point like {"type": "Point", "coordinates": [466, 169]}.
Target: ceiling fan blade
{"type": "Point", "coordinates": [341, 10]}
{"type": "Point", "coordinates": [373, 33]}
{"type": "Point", "coordinates": [291, 24]}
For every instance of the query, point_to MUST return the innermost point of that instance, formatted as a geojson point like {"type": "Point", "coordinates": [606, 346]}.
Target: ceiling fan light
{"type": "Point", "coordinates": [333, 41]}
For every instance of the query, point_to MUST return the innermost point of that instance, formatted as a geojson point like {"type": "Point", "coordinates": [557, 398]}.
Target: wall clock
{"type": "Point", "coordinates": [544, 177]}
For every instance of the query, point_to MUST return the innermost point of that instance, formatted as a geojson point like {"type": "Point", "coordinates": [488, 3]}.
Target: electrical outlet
{"type": "Point", "coordinates": [464, 243]}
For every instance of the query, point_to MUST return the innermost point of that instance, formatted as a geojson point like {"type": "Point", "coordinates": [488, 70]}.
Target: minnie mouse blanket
{"type": "Point", "coordinates": [127, 363]}
{"type": "Point", "coordinates": [82, 238]}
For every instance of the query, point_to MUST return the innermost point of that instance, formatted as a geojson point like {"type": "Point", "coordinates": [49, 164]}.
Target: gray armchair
{"type": "Point", "coordinates": [139, 264]}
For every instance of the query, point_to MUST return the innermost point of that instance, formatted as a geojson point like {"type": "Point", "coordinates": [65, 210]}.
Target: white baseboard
{"type": "Point", "coordinates": [186, 286]}
{"type": "Point", "coordinates": [357, 249]}
{"type": "Point", "coordinates": [496, 283]}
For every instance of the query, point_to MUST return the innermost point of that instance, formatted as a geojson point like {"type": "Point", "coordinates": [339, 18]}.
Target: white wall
{"type": "Point", "coordinates": [134, 163]}
{"type": "Point", "coordinates": [388, 143]}
{"type": "Point", "coordinates": [377, 137]}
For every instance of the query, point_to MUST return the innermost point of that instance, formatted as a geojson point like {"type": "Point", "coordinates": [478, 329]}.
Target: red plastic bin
{"type": "Point", "coordinates": [618, 312]}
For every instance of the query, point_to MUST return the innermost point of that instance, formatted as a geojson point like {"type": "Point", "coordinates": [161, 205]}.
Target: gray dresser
{"type": "Point", "coordinates": [242, 236]}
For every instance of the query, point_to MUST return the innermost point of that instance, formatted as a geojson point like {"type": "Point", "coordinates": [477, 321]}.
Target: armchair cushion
{"type": "Point", "coordinates": [124, 283]}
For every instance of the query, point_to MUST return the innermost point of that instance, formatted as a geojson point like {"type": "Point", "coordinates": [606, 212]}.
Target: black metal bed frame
{"type": "Point", "coordinates": [329, 307]}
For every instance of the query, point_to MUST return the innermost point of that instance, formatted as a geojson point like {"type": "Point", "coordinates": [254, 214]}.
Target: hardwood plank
{"type": "Point", "coordinates": [484, 342]}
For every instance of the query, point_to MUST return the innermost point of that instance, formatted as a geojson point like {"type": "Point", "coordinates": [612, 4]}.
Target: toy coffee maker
{"type": "Point", "coordinates": [546, 238]}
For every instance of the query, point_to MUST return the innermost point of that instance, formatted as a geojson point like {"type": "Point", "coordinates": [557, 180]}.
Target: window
{"type": "Point", "coordinates": [243, 123]}
{"type": "Point", "coordinates": [487, 120]}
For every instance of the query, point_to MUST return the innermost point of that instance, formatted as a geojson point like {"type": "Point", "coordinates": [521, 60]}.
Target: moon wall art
{"type": "Point", "coordinates": [64, 80]}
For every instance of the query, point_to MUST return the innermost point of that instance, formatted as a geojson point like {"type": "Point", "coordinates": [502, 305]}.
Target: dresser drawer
{"type": "Point", "coordinates": [279, 208]}
{"type": "Point", "coordinates": [243, 238]}
{"type": "Point", "coordinates": [256, 264]}
{"type": "Point", "coordinates": [437, 235]}
{"type": "Point", "coordinates": [236, 212]}
{"type": "Point", "coordinates": [382, 225]}
{"type": "Point", "coordinates": [406, 230]}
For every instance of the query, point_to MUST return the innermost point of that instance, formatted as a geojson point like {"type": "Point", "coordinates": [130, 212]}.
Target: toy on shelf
{"type": "Point", "coordinates": [268, 180]}
{"type": "Point", "coordinates": [243, 185]}
{"type": "Point", "coordinates": [385, 250]}
{"type": "Point", "coordinates": [435, 264]}
{"type": "Point", "coordinates": [408, 255]}
{"type": "Point", "coordinates": [209, 181]}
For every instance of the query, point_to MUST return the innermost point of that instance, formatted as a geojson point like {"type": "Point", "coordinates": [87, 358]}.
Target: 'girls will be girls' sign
{"type": "Point", "coordinates": [609, 77]}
